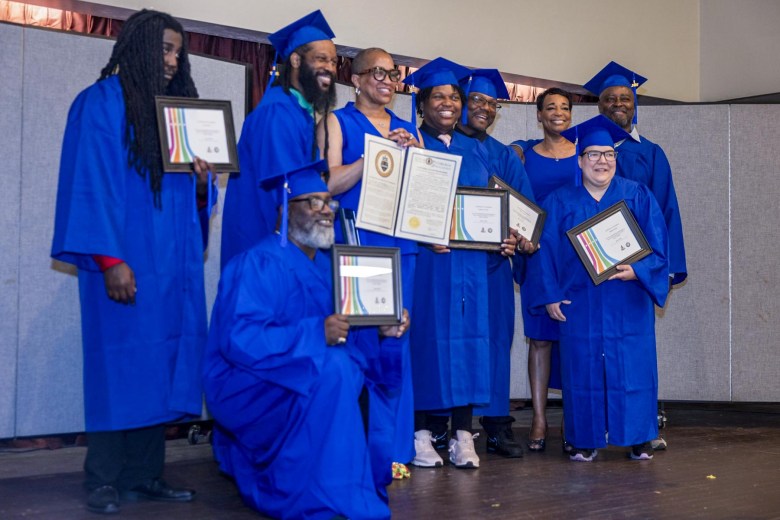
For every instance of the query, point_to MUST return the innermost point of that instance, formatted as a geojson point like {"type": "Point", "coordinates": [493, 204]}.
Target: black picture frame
{"type": "Point", "coordinates": [348, 297]}
{"type": "Point", "coordinates": [595, 254]}
{"type": "Point", "coordinates": [499, 220]}
{"type": "Point", "coordinates": [183, 163]}
{"type": "Point", "coordinates": [534, 236]}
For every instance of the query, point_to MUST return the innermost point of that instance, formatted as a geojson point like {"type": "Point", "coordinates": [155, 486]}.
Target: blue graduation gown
{"type": "Point", "coordinates": [142, 362]}
{"type": "Point", "coordinates": [505, 164]}
{"type": "Point", "coordinates": [645, 162]}
{"type": "Point", "coordinates": [277, 137]}
{"type": "Point", "coordinates": [288, 425]}
{"type": "Point", "coordinates": [354, 126]}
{"type": "Point", "coordinates": [608, 358]}
{"type": "Point", "coordinates": [450, 329]}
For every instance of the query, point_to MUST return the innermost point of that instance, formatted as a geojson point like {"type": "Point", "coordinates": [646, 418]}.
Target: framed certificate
{"type": "Point", "coordinates": [607, 240]}
{"type": "Point", "coordinates": [524, 216]}
{"type": "Point", "coordinates": [367, 284]}
{"type": "Point", "coordinates": [479, 219]}
{"type": "Point", "coordinates": [192, 127]}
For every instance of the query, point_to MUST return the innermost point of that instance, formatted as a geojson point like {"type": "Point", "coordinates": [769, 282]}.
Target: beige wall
{"type": "Point", "coordinates": [567, 41]}
{"type": "Point", "coordinates": [691, 50]}
{"type": "Point", "coordinates": [740, 48]}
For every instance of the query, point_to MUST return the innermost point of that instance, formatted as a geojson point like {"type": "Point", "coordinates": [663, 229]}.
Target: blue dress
{"type": "Point", "coordinates": [277, 137]}
{"type": "Point", "coordinates": [142, 362]}
{"type": "Point", "coordinates": [546, 175]}
{"type": "Point", "coordinates": [608, 357]}
{"type": "Point", "coordinates": [645, 162]}
{"type": "Point", "coordinates": [288, 424]}
{"type": "Point", "coordinates": [450, 330]}
{"type": "Point", "coordinates": [505, 164]}
{"type": "Point", "coordinates": [400, 407]}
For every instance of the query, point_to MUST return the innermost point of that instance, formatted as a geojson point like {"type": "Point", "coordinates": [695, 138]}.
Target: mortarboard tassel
{"type": "Point", "coordinates": [285, 191]}
{"type": "Point", "coordinates": [464, 117]}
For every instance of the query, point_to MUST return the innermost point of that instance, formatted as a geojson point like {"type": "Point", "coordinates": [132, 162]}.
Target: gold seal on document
{"type": "Point", "coordinates": [414, 222]}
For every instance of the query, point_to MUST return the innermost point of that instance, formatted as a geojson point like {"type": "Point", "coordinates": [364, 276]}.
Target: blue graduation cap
{"type": "Point", "coordinates": [596, 131]}
{"type": "Point", "coordinates": [484, 81]}
{"type": "Point", "coordinates": [435, 73]}
{"type": "Point", "coordinates": [294, 183]}
{"type": "Point", "coordinates": [310, 28]}
{"type": "Point", "coordinates": [615, 75]}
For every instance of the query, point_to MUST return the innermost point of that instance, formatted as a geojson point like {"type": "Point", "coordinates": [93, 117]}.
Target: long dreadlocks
{"type": "Point", "coordinates": [138, 60]}
{"type": "Point", "coordinates": [285, 79]}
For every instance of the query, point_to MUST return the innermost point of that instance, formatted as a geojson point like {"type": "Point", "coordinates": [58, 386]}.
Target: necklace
{"type": "Point", "coordinates": [550, 152]}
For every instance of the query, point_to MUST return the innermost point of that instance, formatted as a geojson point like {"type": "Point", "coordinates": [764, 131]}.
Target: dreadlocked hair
{"type": "Point", "coordinates": [137, 58]}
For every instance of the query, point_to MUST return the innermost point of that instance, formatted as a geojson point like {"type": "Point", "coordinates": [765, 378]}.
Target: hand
{"type": "Point", "coordinates": [403, 138]}
{"type": "Point", "coordinates": [625, 273]}
{"type": "Point", "coordinates": [554, 310]}
{"type": "Point", "coordinates": [120, 283]}
{"type": "Point", "coordinates": [436, 248]}
{"type": "Point", "coordinates": [201, 169]}
{"type": "Point", "coordinates": [509, 245]}
{"type": "Point", "coordinates": [524, 246]}
{"type": "Point", "coordinates": [336, 329]}
{"type": "Point", "coordinates": [396, 331]}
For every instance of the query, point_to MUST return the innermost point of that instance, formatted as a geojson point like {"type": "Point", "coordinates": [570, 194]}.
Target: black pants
{"type": "Point", "coordinates": [462, 417]}
{"type": "Point", "coordinates": [124, 459]}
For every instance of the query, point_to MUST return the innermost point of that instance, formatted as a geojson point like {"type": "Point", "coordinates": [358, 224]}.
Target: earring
{"type": "Point", "coordinates": [357, 91]}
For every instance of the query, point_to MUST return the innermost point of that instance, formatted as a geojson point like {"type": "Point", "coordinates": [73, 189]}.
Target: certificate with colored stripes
{"type": "Point", "coordinates": [607, 240]}
{"type": "Point", "coordinates": [192, 128]}
{"type": "Point", "coordinates": [367, 284]}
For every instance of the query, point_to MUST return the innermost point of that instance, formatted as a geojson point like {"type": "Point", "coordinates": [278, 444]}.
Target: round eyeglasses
{"type": "Point", "coordinates": [380, 74]}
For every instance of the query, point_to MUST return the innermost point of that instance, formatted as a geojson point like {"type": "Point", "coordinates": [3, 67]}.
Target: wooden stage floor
{"type": "Point", "coordinates": [723, 462]}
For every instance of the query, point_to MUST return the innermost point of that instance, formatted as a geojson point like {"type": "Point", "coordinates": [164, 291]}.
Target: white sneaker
{"type": "Point", "coordinates": [424, 454]}
{"type": "Point", "coordinates": [462, 452]}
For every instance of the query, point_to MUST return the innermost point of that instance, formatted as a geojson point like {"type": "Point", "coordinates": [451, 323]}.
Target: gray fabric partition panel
{"type": "Point", "coordinates": [693, 329]}
{"type": "Point", "coordinates": [10, 159]}
{"type": "Point", "coordinates": [49, 386]}
{"type": "Point", "coordinates": [755, 248]}
{"type": "Point", "coordinates": [50, 365]}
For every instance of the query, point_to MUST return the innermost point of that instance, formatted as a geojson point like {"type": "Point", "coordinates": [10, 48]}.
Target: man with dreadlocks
{"type": "Point", "coordinates": [279, 135]}
{"type": "Point", "coordinates": [135, 235]}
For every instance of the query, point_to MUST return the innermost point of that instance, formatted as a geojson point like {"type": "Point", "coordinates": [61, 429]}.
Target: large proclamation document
{"type": "Point", "coordinates": [407, 193]}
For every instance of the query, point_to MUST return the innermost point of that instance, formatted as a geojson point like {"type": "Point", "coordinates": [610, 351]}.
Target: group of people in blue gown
{"type": "Point", "coordinates": [313, 416]}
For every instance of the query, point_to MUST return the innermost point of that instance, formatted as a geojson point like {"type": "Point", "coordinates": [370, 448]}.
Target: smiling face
{"type": "Point", "coordinates": [482, 111]}
{"type": "Point", "coordinates": [555, 115]}
{"type": "Point", "coordinates": [172, 42]}
{"type": "Point", "coordinates": [372, 90]}
{"type": "Point", "coordinates": [596, 175]}
{"type": "Point", "coordinates": [442, 108]}
{"type": "Point", "coordinates": [617, 103]}
{"type": "Point", "coordinates": [309, 229]}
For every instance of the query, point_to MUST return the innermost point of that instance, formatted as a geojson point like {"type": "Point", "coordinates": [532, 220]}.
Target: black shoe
{"type": "Point", "coordinates": [158, 490]}
{"type": "Point", "coordinates": [642, 451]}
{"type": "Point", "coordinates": [440, 441]}
{"type": "Point", "coordinates": [104, 500]}
{"type": "Point", "coordinates": [504, 444]}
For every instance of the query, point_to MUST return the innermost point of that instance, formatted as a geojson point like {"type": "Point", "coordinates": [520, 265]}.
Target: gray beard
{"type": "Point", "coordinates": [317, 237]}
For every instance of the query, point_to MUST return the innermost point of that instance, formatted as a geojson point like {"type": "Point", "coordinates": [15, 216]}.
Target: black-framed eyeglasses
{"type": "Point", "coordinates": [594, 156]}
{"type": "Point", "coordinates": [317, 203]}
{"type": "Point", "coordinates": [482, 101]}
{"type": "Point", "coordinates": [380, 73]}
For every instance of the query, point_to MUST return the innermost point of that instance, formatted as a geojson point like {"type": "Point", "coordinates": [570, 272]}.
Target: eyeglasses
{"type": "Point", "coordinates": [481, 102]}
{"type": "Point", "coordinates": [317, 204]}
{"type": "Point", "coordinates": [380, 74]}
{"type": "Point", "coordinates": [594, 156]}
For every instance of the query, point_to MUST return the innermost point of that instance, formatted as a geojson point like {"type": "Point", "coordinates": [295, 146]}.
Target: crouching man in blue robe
{"type": "Point", "coordinates": [135, 235]}
{"type": "Point", "coordinates": [607, 331]}
{"type": "Point", "coordinates": [283, 373]}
